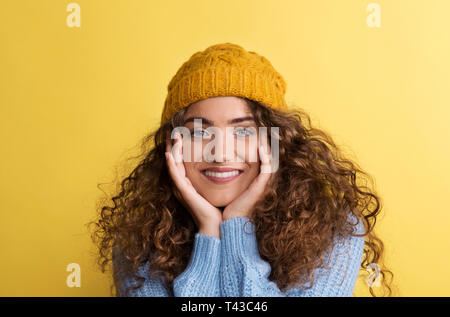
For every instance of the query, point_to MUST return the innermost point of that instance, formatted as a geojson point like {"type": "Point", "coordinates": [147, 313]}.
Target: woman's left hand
{"type": "Point", "coordinates": [242, 206]}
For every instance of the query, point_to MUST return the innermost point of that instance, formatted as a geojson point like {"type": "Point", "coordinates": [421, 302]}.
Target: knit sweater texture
{"type": "Point", "coordinates": [232, 267]}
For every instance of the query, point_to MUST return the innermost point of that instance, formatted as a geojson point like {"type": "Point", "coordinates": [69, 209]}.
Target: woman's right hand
{"type": "Point", "coordinates": [206, 216]}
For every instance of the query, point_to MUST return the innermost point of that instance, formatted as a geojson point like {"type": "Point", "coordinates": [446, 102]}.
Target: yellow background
{"type": "Point", "coordinates": [76, 101]}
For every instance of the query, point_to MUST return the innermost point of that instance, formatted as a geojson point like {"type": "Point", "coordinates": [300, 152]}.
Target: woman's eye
{"type": "Point", "coordinates": [199, 133]}
{"type": "Point", "coordinates": [244, 132]}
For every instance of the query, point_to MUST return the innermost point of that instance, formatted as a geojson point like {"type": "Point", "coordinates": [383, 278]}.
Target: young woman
{"type": "Point", "coordinates": [198, 220]}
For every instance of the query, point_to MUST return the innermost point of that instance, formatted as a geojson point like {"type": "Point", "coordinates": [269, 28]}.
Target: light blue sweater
{"type": "Point", "coordinates": [232, 267]}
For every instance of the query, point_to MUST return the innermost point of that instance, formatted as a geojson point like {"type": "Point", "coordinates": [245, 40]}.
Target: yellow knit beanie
{"type": "Point", "coordinates": [224, 70]}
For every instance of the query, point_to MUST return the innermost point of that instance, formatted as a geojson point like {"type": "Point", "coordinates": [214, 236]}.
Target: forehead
{"type": "Point", "coordinates": [219, 109]}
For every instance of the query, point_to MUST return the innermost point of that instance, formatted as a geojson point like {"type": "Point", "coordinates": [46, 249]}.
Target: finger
{"type": "Point", "coordinates": [171, 145]}
{"type": "Point", "coordinates": [179, 187]}
{"type": "Point", "coordinates": [177, 150]}
{"type": "Point", "coordinates": [266, 160]}
{"type": "Point", "coordinates": [175, 173]}
{"type": "Point", "coordinates": [259, 183]}
{"type": "Point", "coordinates": [171, 167]}
{"type": "Point", "coordinates": [189, 182]}
{"type": "Point", "coordinates": [169, 151]}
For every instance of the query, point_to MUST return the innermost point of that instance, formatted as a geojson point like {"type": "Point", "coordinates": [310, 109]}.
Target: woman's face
{"type": "Point", "coordinates": [235, 146]}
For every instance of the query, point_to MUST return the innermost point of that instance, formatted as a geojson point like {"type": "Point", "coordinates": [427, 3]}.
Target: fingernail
{"type": "Point", "coordinates": [167, 155]}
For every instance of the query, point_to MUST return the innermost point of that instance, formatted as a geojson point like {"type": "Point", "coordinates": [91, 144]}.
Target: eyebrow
{"type": "Point", "coordinates": [206, 121]}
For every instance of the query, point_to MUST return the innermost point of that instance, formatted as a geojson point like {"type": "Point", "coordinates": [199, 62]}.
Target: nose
{"type": "Point", "coordinates": [225, 147]}
{"type": "Point", "coordinates": [229, 147]}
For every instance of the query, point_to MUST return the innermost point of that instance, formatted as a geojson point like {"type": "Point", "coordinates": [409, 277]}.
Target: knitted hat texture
{"type": "Point", "coordinates": [224, 69]}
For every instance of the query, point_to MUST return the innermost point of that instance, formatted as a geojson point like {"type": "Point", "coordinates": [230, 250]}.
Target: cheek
{"type": "Point", "coordinates": [247, 150]}
{"type": "Point", "coordinates": [253, 170]}
{"type": "Point", "coordinates": [192, 151]}
{"type": "Point", "coordinates": [190, 170]}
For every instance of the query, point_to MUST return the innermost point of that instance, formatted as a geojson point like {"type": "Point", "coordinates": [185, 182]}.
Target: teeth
{"type": "Point", "coordinates": [221, 175]}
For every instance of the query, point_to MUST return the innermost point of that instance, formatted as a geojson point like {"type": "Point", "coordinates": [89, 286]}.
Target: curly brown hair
{"type": "Point", "coordinates": [313, 192]}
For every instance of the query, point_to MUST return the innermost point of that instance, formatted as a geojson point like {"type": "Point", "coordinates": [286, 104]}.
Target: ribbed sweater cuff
{"type": "Point", "coordinates": [239, 239]}
{"type": "Point", "coordinates": [204, 264]}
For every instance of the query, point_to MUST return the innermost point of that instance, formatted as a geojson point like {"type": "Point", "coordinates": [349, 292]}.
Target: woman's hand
{"type": "Point", "coordinates": [242, 206]}
{"type": "Point", "coordinates": [206, 216]}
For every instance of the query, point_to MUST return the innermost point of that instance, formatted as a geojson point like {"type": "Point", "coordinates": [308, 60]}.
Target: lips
{"type": "Point", "coordinates": [222, 169]}
{"type": "Point", "coordinates": [220, 175]}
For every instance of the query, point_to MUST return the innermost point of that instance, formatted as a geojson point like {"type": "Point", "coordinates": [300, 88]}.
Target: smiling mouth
{"type": "Point", "coordinates": [222, 177]}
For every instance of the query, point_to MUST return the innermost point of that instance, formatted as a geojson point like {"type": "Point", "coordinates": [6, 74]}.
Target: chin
{"type": "Point", "coordinates": [220, 201]}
